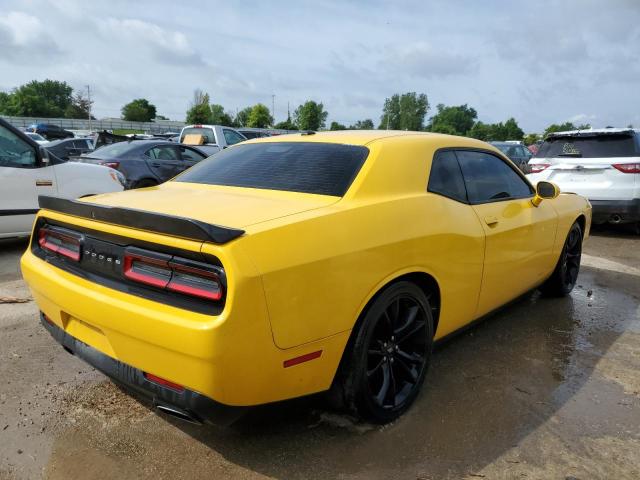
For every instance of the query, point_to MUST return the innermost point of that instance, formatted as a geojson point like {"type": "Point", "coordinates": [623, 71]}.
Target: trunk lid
{"type": "Point", "coordinates": [233, 207]}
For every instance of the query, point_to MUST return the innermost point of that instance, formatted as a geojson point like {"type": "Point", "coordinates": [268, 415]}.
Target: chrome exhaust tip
{"type": "Point", "coordinates": [178, 413]}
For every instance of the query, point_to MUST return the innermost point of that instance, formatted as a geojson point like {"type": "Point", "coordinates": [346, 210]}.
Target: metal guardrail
{"type": "Point", "coordinates": [159, 126]}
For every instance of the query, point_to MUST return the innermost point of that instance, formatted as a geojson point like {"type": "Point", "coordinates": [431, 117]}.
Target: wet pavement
{"type": "Point", "coordinates": [547, 388]}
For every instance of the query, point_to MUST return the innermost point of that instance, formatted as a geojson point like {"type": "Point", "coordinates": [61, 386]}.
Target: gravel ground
{"type": "Point", "coordinates": [547, 388]}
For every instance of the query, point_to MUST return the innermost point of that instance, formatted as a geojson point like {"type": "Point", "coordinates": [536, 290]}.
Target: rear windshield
{"type": "Point", "coordinates": [320, 168]}
{"type": "Point", "coordinates": [114, 150]}
{"type": "Point", "coordinates": [207, 133]}
{"type": "Point", "coordinates": [599, 146]}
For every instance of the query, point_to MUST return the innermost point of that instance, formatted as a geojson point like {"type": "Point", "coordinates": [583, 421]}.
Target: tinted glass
{"type": "Point", "coordinates": [598, 146]}
{"type": "Point", "coordinates": [115, 150]}
{"type": "Point", "coordinates": [207, 133]}
{"type": "Point", "coordinates": [320, 168]}
{"type": "Point", "coordinates": [489, 179]}
{"type": "Point", "coordinates": [188, 154]}
{"type": "Point", "coordinates": [15, 151]}
{"type": "Point", "coordinates": [163, 153]}
{"type": "Point", "coordinates": [446, 178]}
{"type": "Point", "coordinates": [232, 137]}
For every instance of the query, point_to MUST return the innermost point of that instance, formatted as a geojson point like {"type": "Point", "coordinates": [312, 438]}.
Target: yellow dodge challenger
{"type": "Point", "coordinates": [298, 264]}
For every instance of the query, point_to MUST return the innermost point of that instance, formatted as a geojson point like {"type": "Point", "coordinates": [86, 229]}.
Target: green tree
{"type": "Point", "coordinates": [363, 125]}
{"type": "Point", "coordinates": [242, 118]}
{"type": "Point", "coordinates": [219, 116]}
{"type": "Point", "coordinates": [200, 110]}
{"type": "Point", "coordinates": [79, 107]}
{"type": "Point", "coordinates": [139, 110]}
{"type": "Point", "coordinates": [584, 126]}
{"type": "Point", "coordinates": [455, 120]}
{"type": "Point", "coordinates": [404, 112]}
{"type": "Point", "coordinates": [512, 130]}
{"type": "Point", "coordinates": [531, 138]}
{"type": "Point", "coordinates": [5, 98]}
{"type": "Point", "coordinates": [481, 131]}
{"type": "Point", "coordinates": [310, 116]}
{"type": "Point", "coordinates": [48, 98]}
{"type": "Point", "coordinates": [259, 117]}
{"type": "Point", "coordinates": [337, 126]}
{"type": "Point", "coordinates": [559, 128]}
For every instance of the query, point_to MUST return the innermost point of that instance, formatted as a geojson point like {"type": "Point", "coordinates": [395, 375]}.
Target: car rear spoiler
{"type": "Point", "coordinates": [142, 220]}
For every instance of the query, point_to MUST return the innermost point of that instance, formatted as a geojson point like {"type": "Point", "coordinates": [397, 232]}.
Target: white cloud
{"type": "Point", "coordinates": [23, 38]}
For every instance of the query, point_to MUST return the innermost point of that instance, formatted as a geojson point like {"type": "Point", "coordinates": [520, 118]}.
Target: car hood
{"type": "Point", "coordinates": [220, 205]}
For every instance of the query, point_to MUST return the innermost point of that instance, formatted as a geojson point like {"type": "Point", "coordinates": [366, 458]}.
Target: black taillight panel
{"type": "Point", "coordinates": [179, 278]}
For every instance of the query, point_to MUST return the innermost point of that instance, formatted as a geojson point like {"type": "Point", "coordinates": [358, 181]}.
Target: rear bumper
{"type": "Point", "coordinates": [616, 211]}
{"type": "Point", "coordinates": [187, 404]}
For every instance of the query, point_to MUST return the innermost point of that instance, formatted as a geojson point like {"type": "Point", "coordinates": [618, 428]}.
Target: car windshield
{"type": "Point", "coordinates": [319, 168]}
{"type": "Point", "coordinates": [114, 150]}
{"type": "Point", "coordinates": [592, 146]}
{"type": "Point", "coordinates": [207, 133]}
{"type": "Point", "coordinates": [35, 136]}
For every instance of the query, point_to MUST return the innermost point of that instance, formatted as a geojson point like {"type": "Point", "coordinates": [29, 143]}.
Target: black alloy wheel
{"type": "Point", "coordinates": [565, 275]}
{"type": "Point", "coordinates": [390, 354]}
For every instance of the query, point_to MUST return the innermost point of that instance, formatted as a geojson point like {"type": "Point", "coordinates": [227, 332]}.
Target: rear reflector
{"type": "Point", "coordinates": [538, 167]}
{"type": "Point", "coordinates": [165, 383]}
{"type": "Point", "coordinates": [627, 167]}
{"type": "Point", "coordinates": [113, 165]}
{"type": "Point", "coordinates": [60, 242]}
{"type": "Point", "coordinates": [301, 359]}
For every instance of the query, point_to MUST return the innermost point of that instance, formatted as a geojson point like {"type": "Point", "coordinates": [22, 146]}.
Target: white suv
{"type": "Point", "coordinates": [600, 164]}
{"type": "Point", "coordinates": [28, 170]}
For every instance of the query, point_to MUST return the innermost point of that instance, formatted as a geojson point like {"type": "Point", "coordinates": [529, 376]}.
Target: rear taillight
{"type": "Point", "coordinates": [175, 274]}
{"type": "Point", "coordinates": [538, 167]}
{"type": "Point", "coordinates": [627, 167]}
{"type": "Point", "coordinates": [61, 242]}
{"type": "Point", "coordinates": [113, 165]}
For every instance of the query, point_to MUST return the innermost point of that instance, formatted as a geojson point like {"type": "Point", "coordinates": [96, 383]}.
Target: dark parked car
{"type": "Point", "coordinates": [145, 163]}
{"type": "Point", "coordinates": [49, 131]}
{"type": "Point", "coordinates": [517, 153]}
{"type": "Point", "coordinates": [70, 147]}
{"type": "Point", "coordinates": [253, 133]}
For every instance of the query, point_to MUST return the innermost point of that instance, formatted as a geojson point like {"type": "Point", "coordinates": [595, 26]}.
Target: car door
{"type": "Point", "coordinates": [164, 161]}
{"type": "Point", "coordinates": [22, 179]}
{"type": "Point", "coordinates": [189, 157]}
{"type": "Point", "coordinates": [519, 236]}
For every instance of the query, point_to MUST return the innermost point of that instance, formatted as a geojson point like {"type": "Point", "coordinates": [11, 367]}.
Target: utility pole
{"type": "Point", "coordinates": [89, 104]}
{"type": "Point", "coordinates": [273, 108]}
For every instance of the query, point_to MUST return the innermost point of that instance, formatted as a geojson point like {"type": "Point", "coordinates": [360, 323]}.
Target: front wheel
{"type": "Point", "coordinates": [388, 360]}
{"type": "Point", "coordinates": [565, 275]}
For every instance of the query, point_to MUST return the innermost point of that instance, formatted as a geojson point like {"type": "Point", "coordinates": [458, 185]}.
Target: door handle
{"type": "Point", "coordinates": [491, 220]}
{"type": "Point", "coordinates": [44, 183]}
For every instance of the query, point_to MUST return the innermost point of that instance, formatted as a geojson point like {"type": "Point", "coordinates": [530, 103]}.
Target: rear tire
{"type": "Point", "coordinates": [385, 367]}
{"type": "Point", "coordinates": [565, 275]}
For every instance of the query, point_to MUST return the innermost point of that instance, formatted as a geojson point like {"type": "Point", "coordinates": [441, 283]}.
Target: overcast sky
{"type": "Point", "coordinates": [538, 61]}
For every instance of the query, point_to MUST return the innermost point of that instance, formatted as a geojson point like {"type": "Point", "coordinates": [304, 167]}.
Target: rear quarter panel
{"type": "Point", "coordinates": [570, 207]}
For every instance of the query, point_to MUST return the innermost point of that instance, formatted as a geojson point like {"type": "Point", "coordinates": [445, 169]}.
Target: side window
{"type": "Point", "coordinates": [489, 179]}
{"type": "Point", "coordinates": [163, 152]}
{"type": "Point", "coordinates": [14, 151]}
{"type": "Point", "coordinates": [188, 154]}
{"type": "Point", "coordinates": [446, 178]}
{"type": "Point", "coordinates": [232, 137]}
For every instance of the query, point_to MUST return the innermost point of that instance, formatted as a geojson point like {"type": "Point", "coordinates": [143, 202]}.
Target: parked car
{"type": "Point", "coordinates": [70, 147]}
{"type": "Point", "coordinates": [600, 164]}
{"type": "Point", "coordinates": [294, 265]}
{"type": "Point", "coordinates": [39, 139]}
{"type": "Point", "coordinates": [28, 170]}
{"type": "Point", "coordinates": [250, 133]}
{"type": "Point", "coordinates": [145, 163]}
{"type": "Point", "coordinates": [210, 138]}
{"type": "Point", "coordinates": [49, 131]}
{"type": "Point", "coordinates": [517, 153]}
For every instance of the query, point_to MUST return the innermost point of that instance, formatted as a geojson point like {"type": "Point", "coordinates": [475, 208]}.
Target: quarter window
{"type": "Point", "coordinates": [232, 137]}
{"type": "Point", "coordinates": [188, 154]}
{"type": "Point", "coordinates": [446, 178]}
{"type": "Point", "coordinates": [163, 153]}
{"type": "Point", "coordinates": [490, 179]}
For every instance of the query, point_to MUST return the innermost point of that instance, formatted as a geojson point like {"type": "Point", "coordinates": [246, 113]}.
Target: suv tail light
{"type": "Point", "coordinates": [113, 165]}
{"type": "Point", "coordinates": [538, 167]}
{"type": "Point", "coordinates": [627, 167]}
{"type": "Point", "coordinates": [61, 242]}
{"type": "Point", "coordinates": [175, 274]}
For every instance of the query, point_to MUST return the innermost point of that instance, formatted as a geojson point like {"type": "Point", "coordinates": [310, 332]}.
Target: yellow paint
{"type": "Point", "coordinates": [306, 268]}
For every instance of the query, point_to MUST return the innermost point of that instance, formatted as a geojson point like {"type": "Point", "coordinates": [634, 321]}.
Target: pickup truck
{"type": "Point", "coordinates": [210, 139]}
